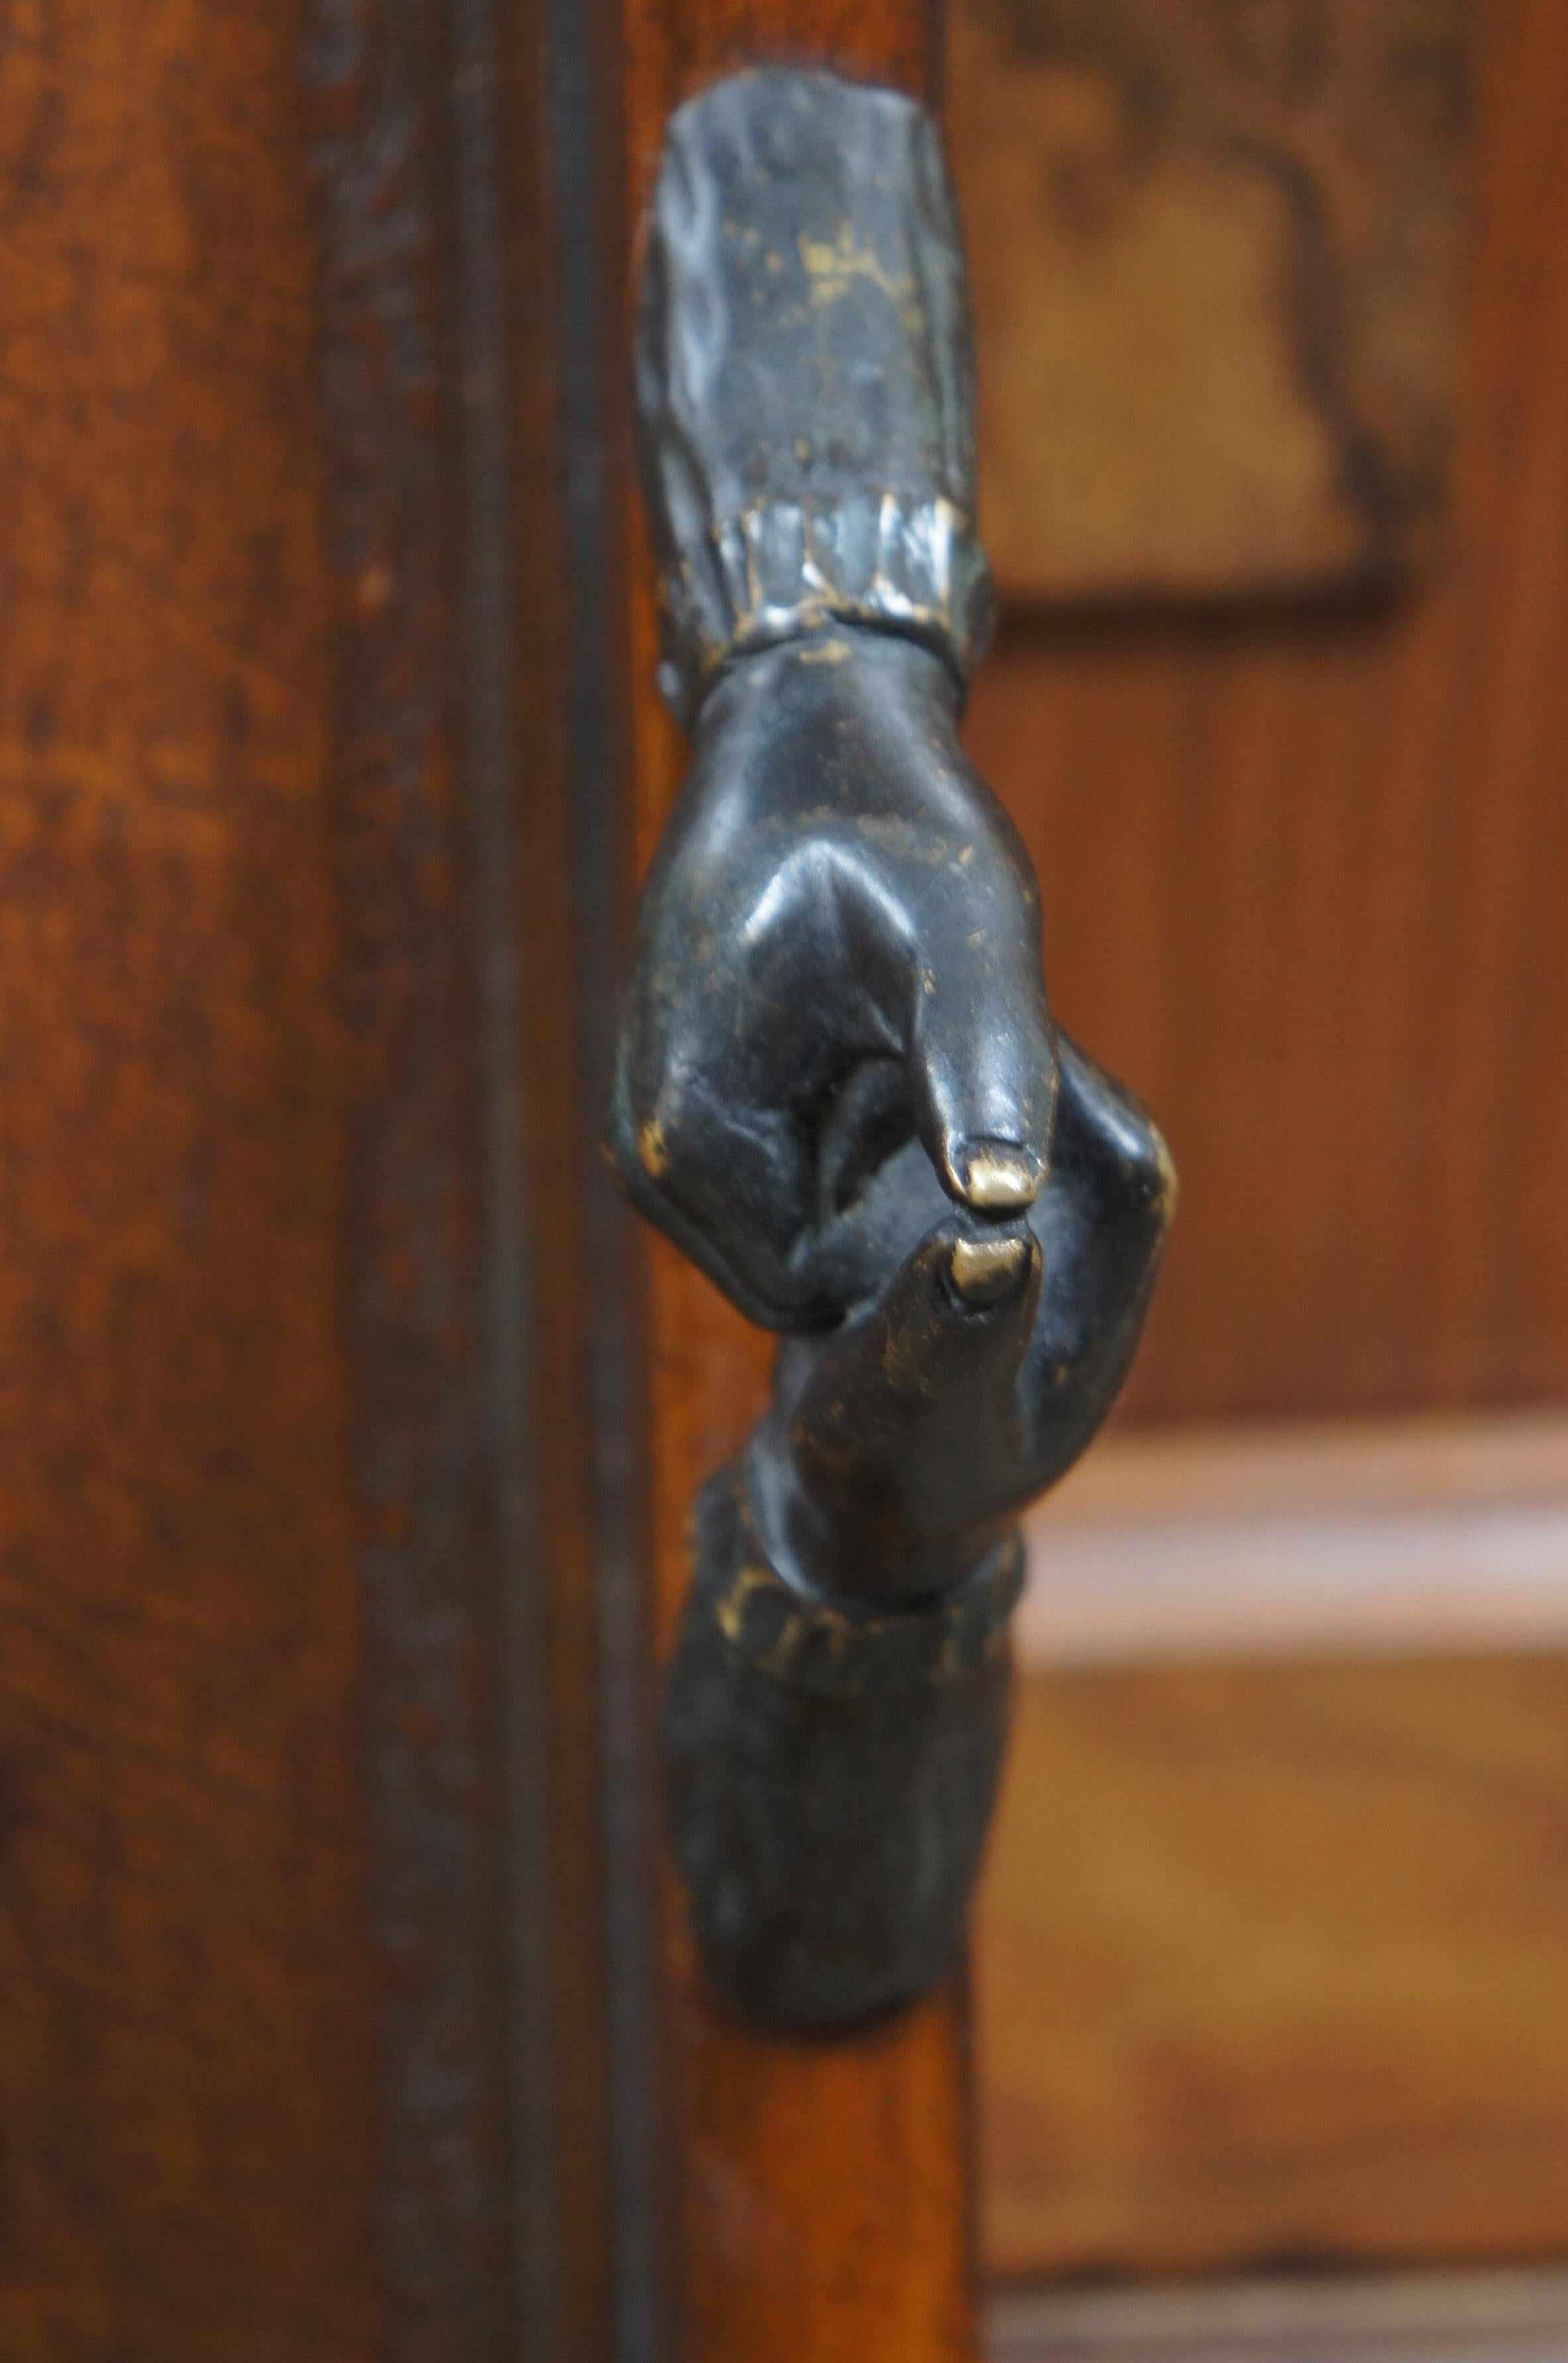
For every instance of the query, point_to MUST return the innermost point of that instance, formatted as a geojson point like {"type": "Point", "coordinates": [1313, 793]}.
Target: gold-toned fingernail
{"type": "Point", "coordinates": [998, 1179]}
{"type": "Point", "coordinates": [987, 1272]}
{"type": "Point", "coordinates": [652, 1148]}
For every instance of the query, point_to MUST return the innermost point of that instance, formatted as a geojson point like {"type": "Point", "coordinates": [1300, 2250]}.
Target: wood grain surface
{"type": "Point", "coordinates": [300, 1900]}
{"type": "Point", "coordinates": [1300, 884]}
{"type": "Point", "coordinates": [1215, 256]}
{"type": "Point", "coordinates": [1455, 2317]}
{"type": "Point", "coordinates": [824, 2209]}
{"type": "Point", "coordinates": [1268, 1954]}
{"type": "Point", "coordinates": [1270, 1968]}
{"type": "Point", "coordinates": [186, 2077]}
{"type": "Point", "coordinates": [1417, 1538]}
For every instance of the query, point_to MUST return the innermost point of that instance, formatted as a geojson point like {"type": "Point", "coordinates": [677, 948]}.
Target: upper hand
{"type": "Point", "coordinates": [838, 952]}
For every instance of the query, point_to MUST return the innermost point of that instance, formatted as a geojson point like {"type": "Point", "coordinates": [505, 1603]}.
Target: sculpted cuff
{"type": "Point", "coordinates": [804, 382]}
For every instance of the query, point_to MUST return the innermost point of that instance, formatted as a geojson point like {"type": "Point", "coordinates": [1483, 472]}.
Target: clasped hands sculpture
{"type": "Point", "coordinates": [839, 1088]}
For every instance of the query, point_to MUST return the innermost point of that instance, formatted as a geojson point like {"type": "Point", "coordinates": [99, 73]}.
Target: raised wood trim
{"type": "Point", "coordinates": [1417, 1535]}
{"type": "Point", "coordinates": [1414, 2318]}
{"type": "Point", "coordinates": [468, 160]}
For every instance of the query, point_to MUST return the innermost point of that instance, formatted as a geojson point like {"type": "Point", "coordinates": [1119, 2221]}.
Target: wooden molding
{"type": "Point", "coordinates": [1415, 2318]}
{"type": "Point", "coordinates": [1439, 1534]}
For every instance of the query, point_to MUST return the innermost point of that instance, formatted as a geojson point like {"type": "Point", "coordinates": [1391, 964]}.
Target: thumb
{"type": "Point", "coordinates": [894, 1443]}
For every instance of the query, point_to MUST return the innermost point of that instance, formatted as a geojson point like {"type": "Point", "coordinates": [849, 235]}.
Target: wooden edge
{"type": "Point", "coordinates": [1430, 1535]}
{"type": "Point", "coordinates": [822, 2190]}
{"type": "Point", "coordinates": [1423, 2318]}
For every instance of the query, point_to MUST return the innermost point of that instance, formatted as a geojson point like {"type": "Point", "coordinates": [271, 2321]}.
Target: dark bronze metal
{"type": "Point", "coordinates": [839, 1088]}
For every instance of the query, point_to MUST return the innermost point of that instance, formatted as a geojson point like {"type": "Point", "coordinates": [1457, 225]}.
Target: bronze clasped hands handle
{"type": "Point", "coordinates": [839, 1088]}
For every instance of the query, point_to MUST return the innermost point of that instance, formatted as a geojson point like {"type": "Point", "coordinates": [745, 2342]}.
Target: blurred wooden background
{"type": "Point", "coordinates": [1217, 285]}
{"type": "Point", "coordinates": [1302, 878]}
{"type": "Point", "coordinates": [1273, 1956]}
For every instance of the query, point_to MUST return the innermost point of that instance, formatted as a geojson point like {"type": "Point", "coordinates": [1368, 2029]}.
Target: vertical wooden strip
{"type": "Point", "coordinates": [572, 518]}
{"type": "Point", "coordinates": [301, 1757]}
{"type": "Point", "coordinates": [417, 852]}
{"type": "Point", "coordinates": [186, 2076]}
{"type": "Point", "coordinates": [486, 848]}
{"type": "Point", "coordinates": [824, 2209]}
